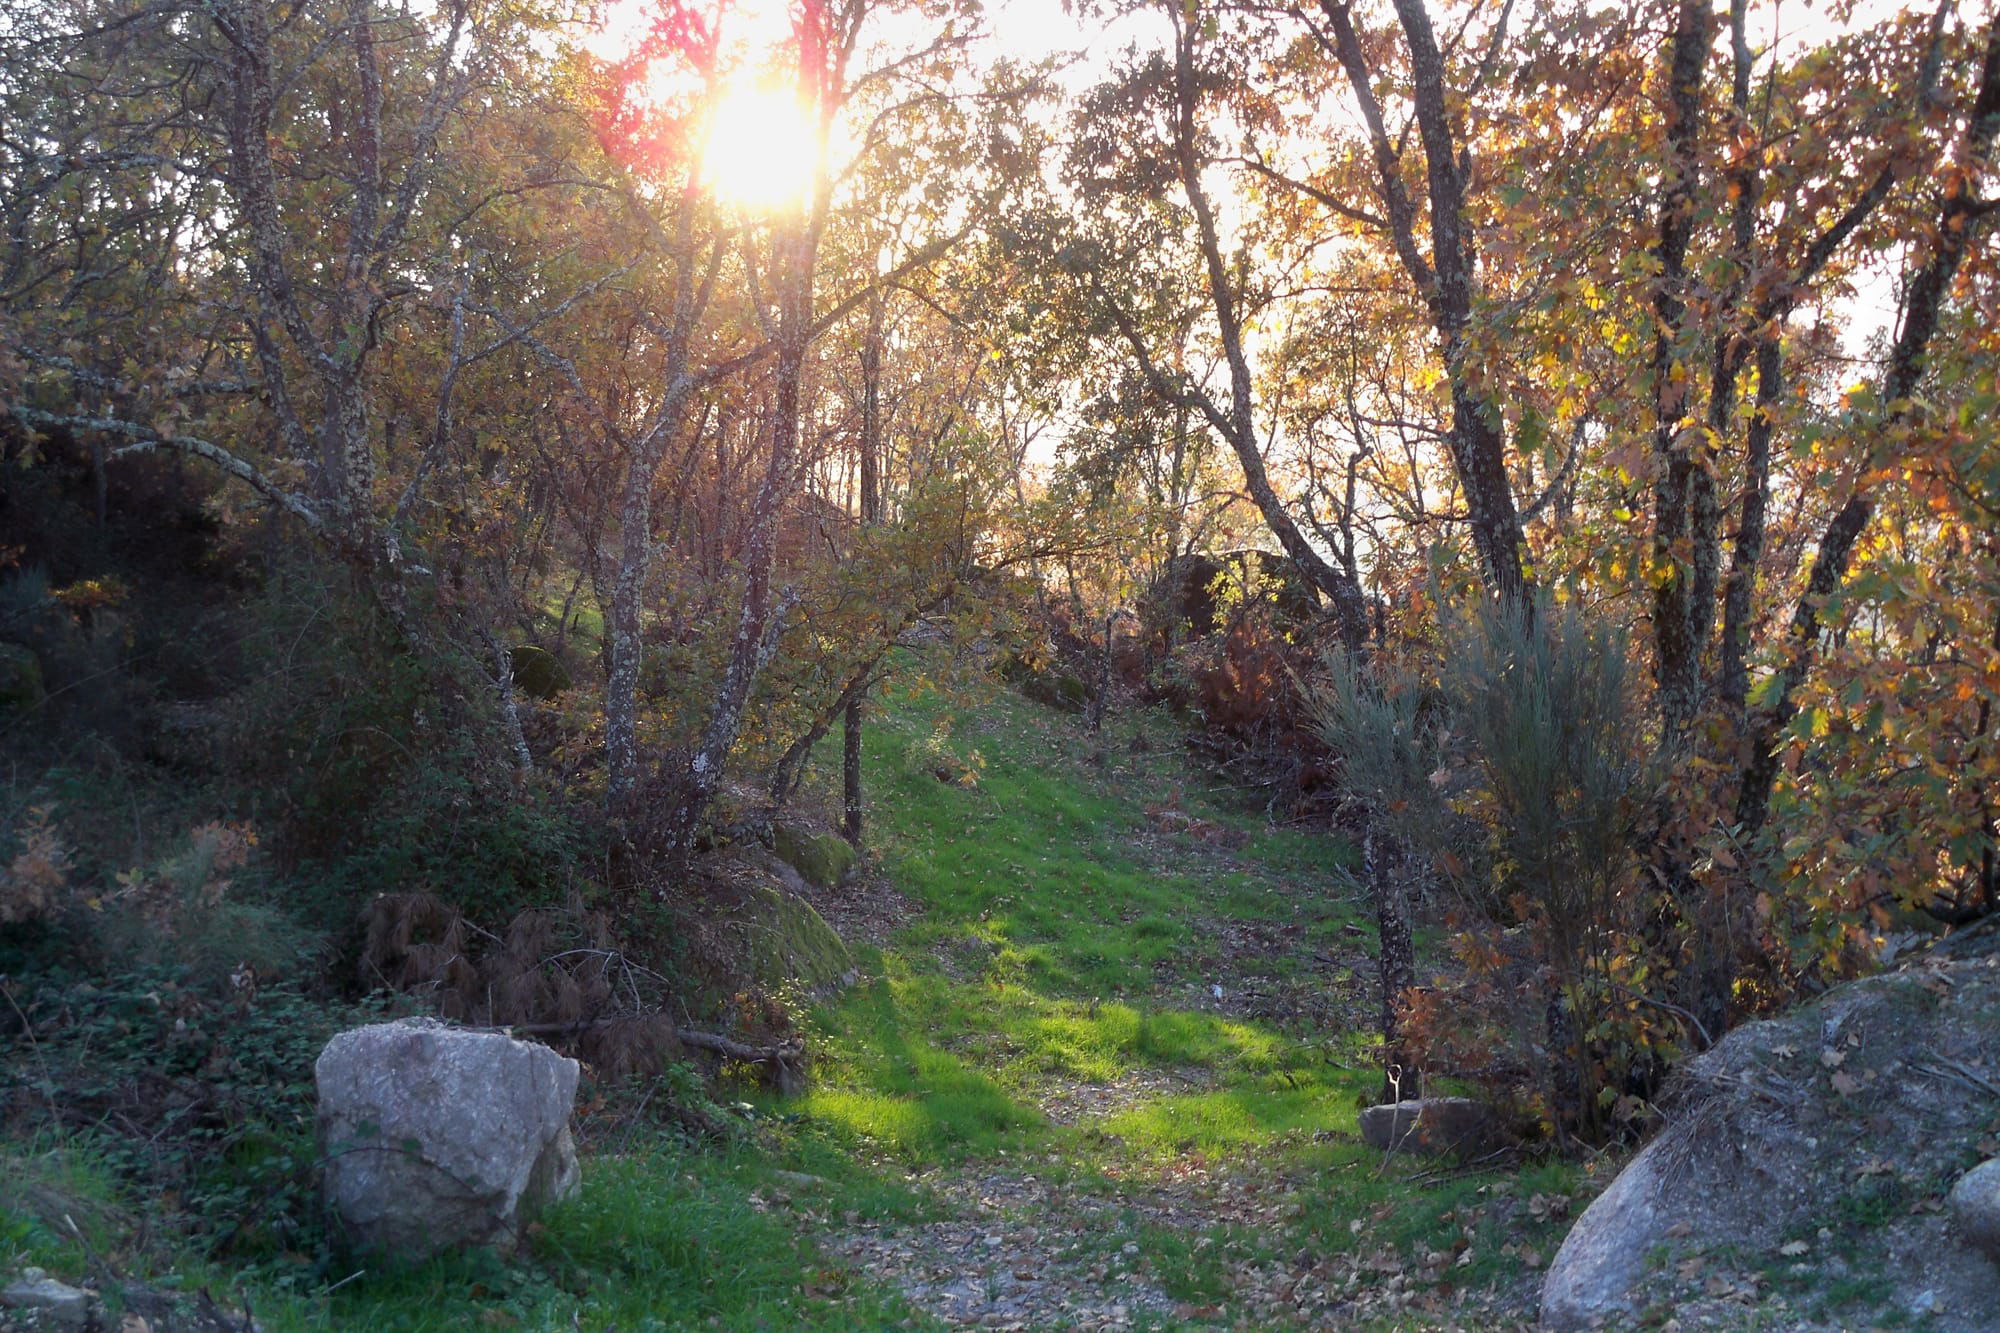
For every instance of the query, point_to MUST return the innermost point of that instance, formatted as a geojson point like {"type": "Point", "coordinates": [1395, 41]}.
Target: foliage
{"type": "Point", "coordinates": [1516, 776]}
{"type": "Point", "coordinates": [936, 755]}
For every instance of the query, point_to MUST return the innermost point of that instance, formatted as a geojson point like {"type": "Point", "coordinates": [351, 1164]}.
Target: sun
{"type": "Point", "coordinates": [761, 151]}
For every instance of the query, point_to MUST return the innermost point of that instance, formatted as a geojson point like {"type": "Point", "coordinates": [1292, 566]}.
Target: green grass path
{"type": "Point", "coordinates": [1101, 1068]}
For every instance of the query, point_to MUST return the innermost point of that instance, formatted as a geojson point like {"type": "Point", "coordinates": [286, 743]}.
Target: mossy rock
{"type": "Point", "coordinates": [20, 677]}
{"type": "Point", "coordinates": [821, 858]}
{"type": "Point", "coordinates": [1060, 690]}
{"type": "Point", "coordinates": [538, 672]}
{"type": "Point", "coordinates": [792, 942]}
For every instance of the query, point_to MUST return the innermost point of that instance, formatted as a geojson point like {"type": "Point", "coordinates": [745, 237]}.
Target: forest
{"type": "Point", "coordinates": [1004, 616]}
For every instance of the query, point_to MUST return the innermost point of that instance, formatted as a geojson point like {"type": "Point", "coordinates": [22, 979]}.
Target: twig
{"type": "Point", "coordinates": [1674, 1009]}
{"type": "Point", "coordinates": [1945, 1068]}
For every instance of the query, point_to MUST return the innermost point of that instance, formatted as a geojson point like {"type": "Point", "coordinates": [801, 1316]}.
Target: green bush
{"type": "Point", "coordinates": [1547, 704]}
{"type": "Point", "coordinates": [1516, 776]}
{"type": "Point", "coordinates": [376, 770]}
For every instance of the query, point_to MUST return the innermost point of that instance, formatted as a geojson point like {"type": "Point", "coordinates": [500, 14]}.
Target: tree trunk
{"type": "Point", "coordinates": [871, 514]}
{"type": "Point", "coordinates": [1238, 425]}
{"type": "Point", "coordinates": [1476, 442]}
{"type": "Point", "coordinates": [1398, 965]}
{"type": "Point", "coordinates": [1676, 647]}
{"type": "Point", "coordinates": [1959, 219]}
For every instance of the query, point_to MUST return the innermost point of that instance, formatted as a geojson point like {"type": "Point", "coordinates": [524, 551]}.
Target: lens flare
{"type": "Point", "coordinates": [761, 151]}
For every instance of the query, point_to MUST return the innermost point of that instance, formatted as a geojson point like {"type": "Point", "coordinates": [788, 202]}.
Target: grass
{"type": "Point", "coordinates": [1053, 913]}
{"type": "Point", "coordinates": [1078, 900]}
{"type": "Point", "coordinates": [663, 1237]}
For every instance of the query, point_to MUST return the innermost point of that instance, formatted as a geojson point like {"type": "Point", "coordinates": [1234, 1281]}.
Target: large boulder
{"type": "Point", "coordinates": [438, 1137]}
{"type": "Point", "coordinates": [537, 671]}
{"type": "Point", "coordinates": [769, 915]}
{"type": "Point", "coordinates": [1804, 1170]}
{"type": "Point", "coordinates": [1975, 1206]}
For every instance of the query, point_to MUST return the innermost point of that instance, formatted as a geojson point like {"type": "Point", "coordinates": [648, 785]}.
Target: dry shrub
{"type": "Point", "coordinates": [553, 974]}
{"type": "Point", "coordinates": [37, 873]}
{"type": "Point", "coordinates": [1245, 684]}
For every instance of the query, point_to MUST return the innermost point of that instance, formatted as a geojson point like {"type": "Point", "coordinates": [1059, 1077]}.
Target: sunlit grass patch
{"type": "Point", "coordinates": [1231, 1119]}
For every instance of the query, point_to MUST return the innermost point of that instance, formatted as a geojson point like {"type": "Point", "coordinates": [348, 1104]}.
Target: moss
{"type": "Point", "coordinates": [790, 941]}
{"type": "Point", "coordinates": [538, 672]}
{"type": "Point", "coordinates": [822, 858]}
{"type": "Point", "coordinates": [1060, 690]}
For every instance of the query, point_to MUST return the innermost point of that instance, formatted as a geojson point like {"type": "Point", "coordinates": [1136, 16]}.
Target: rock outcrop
{"type": "Point", "coordinates": [438, 1137]}
{"type": "Point", "coordinates": [821, 858]}
{"type": "Point", "coordinates": [1975, 1207]}
{"type": "Point", "coordinates": [1805, 1167]}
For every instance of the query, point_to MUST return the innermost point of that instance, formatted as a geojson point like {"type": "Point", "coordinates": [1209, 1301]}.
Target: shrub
{"type": "Point", "coordinates": [1517, 777]}
{"type": "Point", "coordinates": [934, 754]}
{"type": "Point", "coordinates": [378, 770]}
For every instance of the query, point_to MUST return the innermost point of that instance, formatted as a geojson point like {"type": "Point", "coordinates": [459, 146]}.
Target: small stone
{"type": "Point", "coordinates": [45, 1303]}
{"type": "Point", "coordinates": [1430, 1125]}
{"type": "Point", "coordinates": [798, 1179]}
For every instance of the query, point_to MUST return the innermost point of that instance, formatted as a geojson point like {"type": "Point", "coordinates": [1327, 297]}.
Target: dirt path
{"type": "Point", "coordinates": [1163, 1005]}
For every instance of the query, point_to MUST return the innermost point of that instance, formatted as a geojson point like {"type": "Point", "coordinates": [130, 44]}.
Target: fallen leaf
{"type": "Point", "coordinates": [1792, 1249]}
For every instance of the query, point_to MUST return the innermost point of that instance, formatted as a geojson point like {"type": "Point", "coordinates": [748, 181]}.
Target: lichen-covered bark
{"type": "Point", "coordinates": [1676, 536]}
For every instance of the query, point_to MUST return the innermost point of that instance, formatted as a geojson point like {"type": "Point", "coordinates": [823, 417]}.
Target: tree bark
{"type": "Point", "coordinates": [1677, 650]}
{"type": "Point", "coordinates": [1398, 963]}
{"type": "Point", "coordinates": [852, 802]}
{"type": "Point", "coordinates": [1476, 442]}
{"type": "Point", "coordinates": [1238, 424]}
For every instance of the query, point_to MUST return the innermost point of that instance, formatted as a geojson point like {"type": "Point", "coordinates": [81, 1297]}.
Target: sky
{"type": "Point", "coordinates": [1037, 29]}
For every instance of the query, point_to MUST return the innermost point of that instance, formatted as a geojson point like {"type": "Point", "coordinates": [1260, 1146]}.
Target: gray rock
{"type": "Point", "coordinates": [44, 1303]}
{"type": "Point", "coordinates": [537, 671]}
{"type": "Point", "coordinates": [182, 1312]}
{"type": "Point", "coordinates": [438, 1137]}
{"type": "Point", "coordinates": [821, 858]}
{"type": "Point", "coordinates": [1430, 1125]}
{"type": "Point", "coordinates": [1975, 1206]}
{"type": "Point", "coordinates": [1594, 1274]}
{"type": "Point", "coordinates": [1799, 1140]}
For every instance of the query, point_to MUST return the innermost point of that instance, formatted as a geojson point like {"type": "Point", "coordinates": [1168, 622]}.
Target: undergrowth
{"type": "Point", "coordinates": [1086, 913]}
